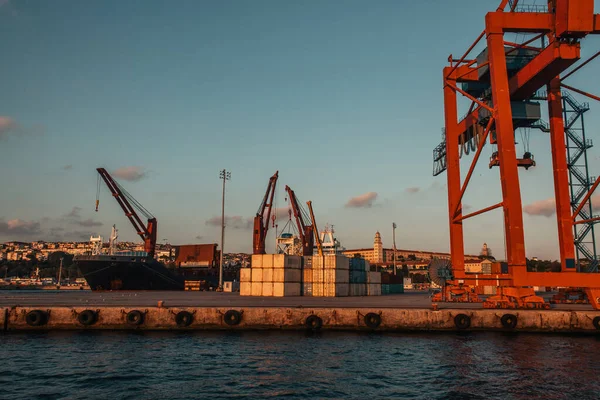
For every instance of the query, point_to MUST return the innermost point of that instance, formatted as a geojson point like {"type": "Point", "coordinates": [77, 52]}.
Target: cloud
{"type": "Point", "coordinates": [20, 227]}
{"type": "Point", "coordinates": [466, 207]}
{"type": "Point", "coordinates": [547, 208]}
{"type": "Point", "coordinates": [68, 167]}
{"type": "Point", "coordinates": [363, 201]}
{"type": "Point", "coordinates": [7, 125]}
{"type": "Point", "coordinates": [75, 212]}
{"type": "Point", "coordinates": [88, 223]}
{"type": "Point", "coordinates": [199, 237]}
{"type": "Point", "coordinates": [234, 222]}
{"type": "Point", "coordinates": [132, 174]}
{"type": "Point", "coordinates": [413, 189]}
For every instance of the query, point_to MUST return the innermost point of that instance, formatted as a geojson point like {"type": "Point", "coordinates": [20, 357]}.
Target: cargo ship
{"type": "Point", "coordinates": [127, 271]}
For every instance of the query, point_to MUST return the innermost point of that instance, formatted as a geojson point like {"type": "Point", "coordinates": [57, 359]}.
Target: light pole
{"type": "Point", "coordinates": [395, 254]}
{"type": "Point", "coordinates": [223, 174]}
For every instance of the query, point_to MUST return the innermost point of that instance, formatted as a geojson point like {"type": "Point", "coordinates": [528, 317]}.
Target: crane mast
{"type": "Point", "coordinates": [148, 232]}
{"type": "Point", "coordinates": [305, 230]}
{"type": "Point", "coordinates": [261, 222]}
{"type": "Point", "coordinates": [314, 224]}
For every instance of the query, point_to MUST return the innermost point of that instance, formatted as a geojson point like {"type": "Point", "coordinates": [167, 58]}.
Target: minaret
{"type": "Point", "coordinates": [377, 248]}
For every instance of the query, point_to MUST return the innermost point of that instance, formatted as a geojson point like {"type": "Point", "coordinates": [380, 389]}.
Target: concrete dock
{"type": "Point", "coordinates": [217, 311]}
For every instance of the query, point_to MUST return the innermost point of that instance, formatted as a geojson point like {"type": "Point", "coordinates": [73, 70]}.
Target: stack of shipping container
{"type": "Point", "coordinates": [272, 275]}
{"type": "Point", "coordinates": [331, 275]}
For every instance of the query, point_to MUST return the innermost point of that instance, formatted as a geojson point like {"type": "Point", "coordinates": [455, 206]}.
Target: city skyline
{"type": "Point", "coordinates": [344, 101]}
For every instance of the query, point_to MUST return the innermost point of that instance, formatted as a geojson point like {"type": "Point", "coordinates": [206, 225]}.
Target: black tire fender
{"type": "Point", "coordinates": [232, 317]}
{"type": "Point", "coordinates": [87, 317]}
{"type": "Point", "coordinates": [596, 323]}
{"type": "Point", "coordinates": [135, 317]}
{"type": "Point", "coordinates": [509, 321]}
{"type": "Point", "coordinates": [313, 322]}
{"type": "Point", "coordinates": [372, 320]}
{"type": "Point", "coordinates": [184, 318]}
{"type": "Point", "coordinates": [462, 321]}
{"type": "Point", "coordinates": [36, 318]}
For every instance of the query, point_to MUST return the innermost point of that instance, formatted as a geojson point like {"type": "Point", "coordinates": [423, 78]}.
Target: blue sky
{"type": "Point", "coordinates": [343, 98]}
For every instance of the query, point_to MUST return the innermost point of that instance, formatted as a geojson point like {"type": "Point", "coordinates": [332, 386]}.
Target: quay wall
{"type": "Point", "coordinates": [281, 318]}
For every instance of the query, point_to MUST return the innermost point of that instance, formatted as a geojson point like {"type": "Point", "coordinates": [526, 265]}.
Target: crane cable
{"type": "Point", "coordinates": [525, 133]}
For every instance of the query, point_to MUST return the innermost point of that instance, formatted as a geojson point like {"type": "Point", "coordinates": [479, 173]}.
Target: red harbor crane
{"type": "Point", "coordinates": [507, 84]}
{"type": "Point", "coordinates": [261, 220]}
{"type": "Point", "coordinates": [130, 205]}
{"type": "Point", "coordinates": [305, 228]}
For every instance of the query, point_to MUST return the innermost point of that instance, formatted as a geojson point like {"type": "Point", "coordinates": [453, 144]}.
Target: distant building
{"type": "Point", "coordinates": [385, 256]}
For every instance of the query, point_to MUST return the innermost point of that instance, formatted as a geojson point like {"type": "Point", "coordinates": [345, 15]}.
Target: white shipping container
{"type": "Point", "coordinates": [257, 275]}
{"type": "Point", "coordinates": [374, 277]}
{"type": "Point", "coordinates": [281, 275]}
{"type": "Point", "coordinates": [358, 289]}
{"type": "Point", "coordinates": [367, 266]}
{"type": "Point", "coordinates": [267, 289]}
{"type": "Point", "coordinates": [256, 288]}
{"type": "Point", "coordinates": [257, 261]}
{"type": "Point", "coordinates": [267, 261]}
{"type": "Point", "coordinates": [267, 275]}
{"type": "Point", "coordinates": [342, 289]}
{"type": "Point", "coordinates": [286, 289]}
{"type": "Point", "coordinates": [374, 289]}
{"type": "Point", "coordinates": [245, 289]}
{"type": "Point", "coordinates": [245, 275]}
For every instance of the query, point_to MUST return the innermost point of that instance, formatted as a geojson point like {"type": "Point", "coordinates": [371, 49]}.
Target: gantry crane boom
{"type": "Point", "coordinates": [261, 222]}
{"type": "Point", "coordinates": [147, 233]}
{"type": "Point", "coordinates": [305, 230]}
{"type": "Point", "coordinates": [314, 224]}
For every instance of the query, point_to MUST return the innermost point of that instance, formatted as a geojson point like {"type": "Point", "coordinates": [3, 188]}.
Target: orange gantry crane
{"type": "Point", "coordinates": [261, 220]}
{"type": "Point", "coordinates": [503, 83]}
{"type": "Point", "coordinates": [129, 204]}
{"type": "Point", "coordinates": [305, 228]}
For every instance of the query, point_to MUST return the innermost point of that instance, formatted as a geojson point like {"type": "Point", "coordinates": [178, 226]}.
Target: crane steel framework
{"type": "Point", "coordinates": [147, 233]}
{"type": "Point", "coordinates": [305, 229]}
{"type": "Point", "coordinates": [261, 221]}
{"type": "Point", "coordinates": [502, 83]}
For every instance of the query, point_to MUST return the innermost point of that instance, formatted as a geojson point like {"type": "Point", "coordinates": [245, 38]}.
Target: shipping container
{"type": "Point", "coordinates": [374, 289]}
{"type": "Point", "coordinates": [307, 276]}
{"type": "Point", "coordinates": [256, 288]}
{"type": "Point", "coordinates": [389, 278]}
{"type": "Point", "coordinates": [307, 289]}
{"type": "Point", "coordinates": [245, 275]}
{"type": "Point", "coordinates": [282, 275]}
{"type": "Point", "coordinates": [245, 289]}
{"type": "Point", "coordinates": [330, 261]}
{"type": "Point", "coordinates": [286, 261]}
{"type": "Point", "coordinates": [307, 262]}
{"type": "Point", "coordinates": [374, 277]}
{"type": "Point", "coordinates": [335, 275]}
{"type": "Point", "coordinates": [267, 274]}
{"type": "Point", "coordinates": [267, 289]}
{"type": "Point", "coordinates": [267, 261]}
{"type": "Point", "coordinates": [358, 289]}
{"type": "Point", "coordinates": [257, 274]}
{"type": "Point", "coordinates": [358, 276]}
{"type": "Point", "coordinates": [286, 289]}
{"type": "Point", "coordinates": [257, 261]}
{"type": "Point", "coordinates": [392, 288]}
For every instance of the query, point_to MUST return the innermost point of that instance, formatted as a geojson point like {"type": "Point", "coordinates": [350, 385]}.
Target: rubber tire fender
{"type": "Point", "coordinates": [87, 317]}
{"type": "Point", "coordinates": [313, 322]}
{"type": "Point", "coordinates": [596, 323]}
{"type": "Point", "coordinates": [509, 321]}
{"type": "Point", "coordinates": [36, 318]}
{"type": "Point", "coordinates": [184, 318]}
{"type": "Point", "coordinates": [462, 321]}
{"type": "Point", "coordinates": [372, 320]}
{"type": "Point", "coordinates": [135, 317]}
{"type": "Point", "coordinates": [232, 317]}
